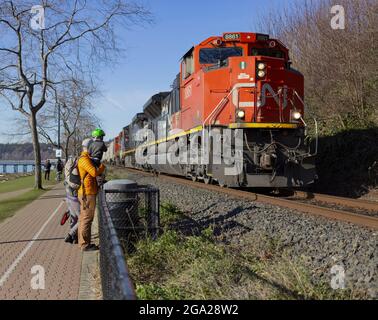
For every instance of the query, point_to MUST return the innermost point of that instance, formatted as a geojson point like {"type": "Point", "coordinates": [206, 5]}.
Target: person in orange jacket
{"type": "Point", "coordinates": [87, 196]}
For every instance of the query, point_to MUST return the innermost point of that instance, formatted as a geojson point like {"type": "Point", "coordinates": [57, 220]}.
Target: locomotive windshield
{"type": "Point", "coordinates": [215, 55]}
{"type": "Point", "coordinates": [267, 53]}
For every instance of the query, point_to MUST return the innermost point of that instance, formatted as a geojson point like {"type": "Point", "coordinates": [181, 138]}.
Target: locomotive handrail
{"type": "Point", "coordinates": [299, 97]}
{"type": "Point", "coordinates": [217, 107]}
{"type": "Point", "coordinates": [309, 154]}
{"type": "Point", "coordinates": [316, 138]}
{"type": "Point", "coordinates": [316, 129]}
{"type": "Point", "coordinates": [235, 88]}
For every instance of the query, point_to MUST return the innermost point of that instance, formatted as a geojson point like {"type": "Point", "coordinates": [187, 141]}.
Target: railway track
{"type": "Point", "coordinates": [369, 206]}
{"type": "Point", "coordinates": [363, 220]}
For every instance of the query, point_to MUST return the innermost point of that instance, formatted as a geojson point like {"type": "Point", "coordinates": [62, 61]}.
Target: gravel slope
{"type": "Point", "coordinates": [320, 242]}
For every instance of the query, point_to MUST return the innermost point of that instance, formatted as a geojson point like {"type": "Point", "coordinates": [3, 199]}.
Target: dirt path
{"type": "Point", "coordinates": [13, 194]}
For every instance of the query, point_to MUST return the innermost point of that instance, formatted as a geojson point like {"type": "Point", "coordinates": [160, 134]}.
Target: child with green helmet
{"type": "Point", "coordinates": [98, 147]}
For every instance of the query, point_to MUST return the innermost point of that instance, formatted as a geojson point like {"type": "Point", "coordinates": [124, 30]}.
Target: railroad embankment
{"type": "Point", "coordinates": [214, 246]}
{"type": "Point", "coordinates": [347, 163]}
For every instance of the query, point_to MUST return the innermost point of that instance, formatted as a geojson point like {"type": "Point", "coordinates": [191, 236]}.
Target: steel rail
{"type": "Point", "coordinates": [352, 203]}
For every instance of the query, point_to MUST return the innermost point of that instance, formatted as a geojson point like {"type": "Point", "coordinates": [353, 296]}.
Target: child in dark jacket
{"type": "Point", "coordinates": [96, 151]}
{"type": "Point", "coordinates": [97, 147]}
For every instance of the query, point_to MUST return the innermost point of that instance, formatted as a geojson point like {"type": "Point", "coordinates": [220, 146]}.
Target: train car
{"type": "Point", "coordinates": [108, 156]}
{"type": "Point", "coordinates": [124, 142]}
{"type": "Point", "coordinates": [140, 121]}
{"type": "Point", "coordinates": [237, 85]}
{"type": "Point", "coordinates": [117, 150]}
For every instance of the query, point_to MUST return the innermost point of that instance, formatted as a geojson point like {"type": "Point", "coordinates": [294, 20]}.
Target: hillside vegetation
{"type": "Point", "coordinates": [24, 151]}
{"type": "Point", "coordinates": [340, 67]}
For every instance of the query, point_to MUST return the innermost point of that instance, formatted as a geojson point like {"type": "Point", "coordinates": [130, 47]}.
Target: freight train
{"type": "Point", "coordinates": [239, 104]}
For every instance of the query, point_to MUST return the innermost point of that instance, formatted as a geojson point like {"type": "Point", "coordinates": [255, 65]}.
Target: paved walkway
{"type": "Point", "coordinates": [34, 237]}
{"type": "Point", "coordinates": [13, 194]}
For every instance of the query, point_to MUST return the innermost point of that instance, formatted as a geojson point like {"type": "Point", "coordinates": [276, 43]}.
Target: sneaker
{"type": "Point", "coordinates": [91, 247]}
{"type": "Point", "coordinates": [69, 239]}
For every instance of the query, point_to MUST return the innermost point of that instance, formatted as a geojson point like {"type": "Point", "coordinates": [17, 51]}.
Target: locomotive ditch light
{"type": "Point", "coordinates": [240, 114]}
{"type": "Point", "coordinates": [296, 115]}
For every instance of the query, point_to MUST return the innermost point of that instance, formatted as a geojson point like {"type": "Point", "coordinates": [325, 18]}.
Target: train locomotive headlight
{"type": "Point", "coordinates": [261, 70]}
{"type": "Point", "coordinates": [261, 66]}
{"type": "Point", "coordinates": [261, 73]}
{"type": "Point", "coordinates": [240, 114]}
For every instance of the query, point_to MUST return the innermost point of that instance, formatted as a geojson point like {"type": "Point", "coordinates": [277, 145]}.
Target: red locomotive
{"type": "Point", "coordinates": [238, 82]}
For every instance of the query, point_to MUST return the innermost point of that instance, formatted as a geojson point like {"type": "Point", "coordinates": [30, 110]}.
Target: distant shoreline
{"type": "Point", "coordinates": [9, 168]}
{"type": "Point", "coordinates": [12, 176]}
{"type": "Point", "coordinates": [20, 166]}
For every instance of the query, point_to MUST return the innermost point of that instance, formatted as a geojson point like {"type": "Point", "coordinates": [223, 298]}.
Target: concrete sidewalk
{"type": "Point", "coordinates": [34, 237]}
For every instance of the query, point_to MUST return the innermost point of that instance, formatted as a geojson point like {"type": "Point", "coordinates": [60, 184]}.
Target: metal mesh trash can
{"type": "Point", "coordinates": [134, 210]}
{"type": "Point", "coordinates": [123, 205]}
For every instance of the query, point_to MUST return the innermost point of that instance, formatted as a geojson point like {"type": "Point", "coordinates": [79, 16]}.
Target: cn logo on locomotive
{"type": "Point", "coordinates": [282, 92]}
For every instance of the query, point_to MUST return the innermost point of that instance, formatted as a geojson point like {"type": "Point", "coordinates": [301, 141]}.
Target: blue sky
{"type": "Point", "coordinates": [152, 53]}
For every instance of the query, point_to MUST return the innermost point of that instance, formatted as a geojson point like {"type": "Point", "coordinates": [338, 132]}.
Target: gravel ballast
{"type": "Point", "coordinates": [321, 243]}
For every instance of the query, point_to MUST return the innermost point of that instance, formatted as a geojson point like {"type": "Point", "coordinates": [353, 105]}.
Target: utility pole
{"type": "Point", "coordinates": [59, 126]}
{"type": "Point", "coordinates": [59, 150]}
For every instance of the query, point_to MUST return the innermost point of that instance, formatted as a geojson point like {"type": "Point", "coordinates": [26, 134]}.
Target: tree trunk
{"type": "Point", "coordinates": [66, 148]}
{"type": "Point", "coordinates": [37, 151]}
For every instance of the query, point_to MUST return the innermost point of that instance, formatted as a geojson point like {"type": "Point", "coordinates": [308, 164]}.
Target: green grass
{"type": "Point", "coordinates": [169, 214]}
{"type": "Point", "coordinates": [17, 184]}
{"type": "Point", "coordinates": [113, 173]}
{"type": "Point", "coordinates": [9, 207]}
{"type": "Point", "coordinates": [200, 267]}
{"type": "Point", "coordinates": [23, 183]}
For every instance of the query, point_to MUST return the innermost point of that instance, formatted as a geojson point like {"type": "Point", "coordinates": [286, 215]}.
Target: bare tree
{"type": "Point", "coordinates": [78, 35]}
{"type": "Point", "coordinates": [74, 103]}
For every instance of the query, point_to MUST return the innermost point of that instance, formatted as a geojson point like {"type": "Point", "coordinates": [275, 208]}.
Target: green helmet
{"type": "Point", "coordinates": [98, 133]}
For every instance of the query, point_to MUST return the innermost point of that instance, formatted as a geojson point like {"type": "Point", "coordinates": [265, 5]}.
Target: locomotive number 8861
{"type": "Point", "coordinates": [241, 86]}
